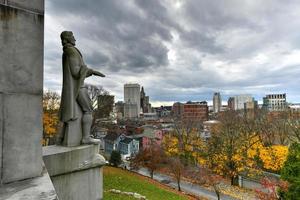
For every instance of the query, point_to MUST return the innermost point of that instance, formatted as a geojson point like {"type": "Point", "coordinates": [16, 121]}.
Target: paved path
{"type": "Point", "coordinates": [186, 186]}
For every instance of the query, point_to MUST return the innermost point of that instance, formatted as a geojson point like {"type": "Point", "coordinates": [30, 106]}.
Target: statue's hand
{"type": "Point", "coordinates": [96, 73]}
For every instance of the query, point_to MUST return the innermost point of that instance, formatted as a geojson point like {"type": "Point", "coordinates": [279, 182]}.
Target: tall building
{"type": "Point", "coordinates": [217, 102]}
{"type": "Point", "coordinates": [251, 105]}
{"type": "Point", "coordinates": [275, 102]}
{"type": "Point", "coordinates": [250, 109]}
{"type": "Point", "coordinates": [130, 110]}
{"type": "Point", "coordinates": [177, 110]}
{"type": "Point", "coordinates": [240, 100]}
{"type": "Point", "coordinates": [132, 100]}
{"type": "Point", "coordinates": [195, 111]}
{"type": "Point", "coordinates": [230, 103]}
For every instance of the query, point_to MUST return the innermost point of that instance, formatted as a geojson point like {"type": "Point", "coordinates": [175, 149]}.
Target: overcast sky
{"type": "Point", "coordinates": [181, 50]}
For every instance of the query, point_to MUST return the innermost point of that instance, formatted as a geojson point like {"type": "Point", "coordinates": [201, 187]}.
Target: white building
{"type": "Point", "coordinates": [240, 100]}
{"type": "Point", "coordinates": [294, 108]}
{"type": "Point", "coordinates": [150, 116]}
{"type": "Point", "coordinates": [217, 102]}
{"type": "Point", "coordinates": [132, 100]}
{"type": "Point", "coordinates": [275, 102]}
{"type": "Point", "coordinates": [130, 110]}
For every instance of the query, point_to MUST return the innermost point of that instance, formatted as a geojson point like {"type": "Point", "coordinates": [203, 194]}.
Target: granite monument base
{"type": "Point", "coordinates": [76, 172]}
{"type": "Point", "coordinates": [38, 188]}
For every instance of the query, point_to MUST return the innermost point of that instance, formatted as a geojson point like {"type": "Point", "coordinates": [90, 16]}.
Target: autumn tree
{"type": "Point", "coordinates": [51, 101]}
{"type": "Point", "coordinates": [94, 91]}
{"type": "Point", "coordinates": [176, 167]}
{"type": "Point", "coordinates": [294, 130]}
{"type": "Point", "coordinates": [263, 126]}
{"type": "Point", "coordinates": [229, 144]}
{"type": "Point", "coordinates": [185, 142]}
{"type": "Point", "coordinates": [282, 128]}
{"type": "Point", "coordinates": [271, 189]}
{"type": "Point", "coordinates": [272, 157]}
{"type": "Point", "coordinates": [151, 158]}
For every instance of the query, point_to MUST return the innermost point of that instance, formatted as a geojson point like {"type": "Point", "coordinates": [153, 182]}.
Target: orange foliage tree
{"type": "Point", "coordinates": [51, 102]}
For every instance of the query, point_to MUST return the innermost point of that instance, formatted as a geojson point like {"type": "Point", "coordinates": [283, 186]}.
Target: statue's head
{"type": "Point", "coordinates": [67, 37]}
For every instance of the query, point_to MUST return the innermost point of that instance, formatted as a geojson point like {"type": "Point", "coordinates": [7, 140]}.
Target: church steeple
{"type": "Point", "coordinates": [142, 90]}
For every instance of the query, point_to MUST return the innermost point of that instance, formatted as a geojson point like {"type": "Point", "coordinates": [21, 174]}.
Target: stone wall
{"type": "Point", "coordinates": [21, 88]}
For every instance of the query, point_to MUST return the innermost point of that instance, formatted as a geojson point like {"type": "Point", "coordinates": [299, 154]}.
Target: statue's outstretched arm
{"type": "Point", "coordinates": [97, 73]}
{"type": "Point", "coordinates": [93, 72]}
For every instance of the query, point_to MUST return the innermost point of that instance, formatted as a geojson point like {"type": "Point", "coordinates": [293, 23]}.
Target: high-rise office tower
{"type": "Point", "coordinates": [240, 100]}
{"type": "Point", "coordinates": [132, 100]}
{"type": "Point", "coordinates": [217, 102]}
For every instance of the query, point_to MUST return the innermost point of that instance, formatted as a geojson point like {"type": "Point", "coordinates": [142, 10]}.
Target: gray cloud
{"type": "Point", "coordinates": [181, 50]}
{"type": "Point", "coordinates": [202, 42]}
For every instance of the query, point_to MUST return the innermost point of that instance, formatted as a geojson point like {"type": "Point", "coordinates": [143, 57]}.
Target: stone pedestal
{"type": "Point", "coordinates": [36, 188]}
{"type": "Point", "coordinates": [76, 172]}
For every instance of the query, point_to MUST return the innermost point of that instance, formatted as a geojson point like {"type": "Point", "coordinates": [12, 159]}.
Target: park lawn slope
{"type": "Point", "coordinates": [116, 178]}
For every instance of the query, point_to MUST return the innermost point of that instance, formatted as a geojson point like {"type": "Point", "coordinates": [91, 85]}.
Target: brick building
{"type": "Point", "coordinates": [195, 111]}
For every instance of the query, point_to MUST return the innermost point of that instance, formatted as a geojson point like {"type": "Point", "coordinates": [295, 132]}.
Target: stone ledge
{"type": "Point", "coordinates": [39, 188]}
{"type": "Point", "coordinates": [76, 172]}
{"type": "Point", "coordinates": [61, 160]}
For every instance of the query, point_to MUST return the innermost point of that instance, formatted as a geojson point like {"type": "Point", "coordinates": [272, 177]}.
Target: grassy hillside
{"type": "Point", "coordinates": [115, 178]}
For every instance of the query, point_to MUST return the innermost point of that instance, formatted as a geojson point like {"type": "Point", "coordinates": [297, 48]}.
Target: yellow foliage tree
{"type": "Point", "coordinates": [170, 144]}
{"type": "Point", "coordinates": [271, 157]}
{"type": "Point", "coordinates": [188, 145]}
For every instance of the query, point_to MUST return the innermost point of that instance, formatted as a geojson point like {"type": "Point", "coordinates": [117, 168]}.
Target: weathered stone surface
{"type": "Point", "coordinates": [86, 184]}
{"type": "Point", "coordinates": [39, 188]}
{"type": "Point", "coordinates": [1, 132]}
{"type": "Point", "coordinates": [73, 130]}
{"type": "Point", "coordinates": [60, 160]}
{"type": "Point", "coordinates": [31, 5]}
{"type": "Point", "coordinates": [22, 149]}
{"type": "Point", "coordinates": [21, 51]}
{"type": "Point", "coordinates": [75, 171]}
{"type": "Point", "coordinates": [21, 87]}
{"type": "Point", "coordinates": [74, 92]}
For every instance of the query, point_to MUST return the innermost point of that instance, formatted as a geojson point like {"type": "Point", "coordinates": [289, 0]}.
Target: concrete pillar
{"type": "Point", "coordinates": [21, 88]}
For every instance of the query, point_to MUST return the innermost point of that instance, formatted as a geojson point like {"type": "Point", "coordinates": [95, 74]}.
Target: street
{"type": "Point", "coordinates": [185, 186]}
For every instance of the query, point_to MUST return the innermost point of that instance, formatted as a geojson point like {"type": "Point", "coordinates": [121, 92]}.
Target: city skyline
{"type": "Point", "coordinates": [181, 50]}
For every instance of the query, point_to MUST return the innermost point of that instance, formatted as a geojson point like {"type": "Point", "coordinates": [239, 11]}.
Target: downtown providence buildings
{"type": "Point", "coordinates": [135, 101]}
{"type": "Point", "coordinates": [132, 100]}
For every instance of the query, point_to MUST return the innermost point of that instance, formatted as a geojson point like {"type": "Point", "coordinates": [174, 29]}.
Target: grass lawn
{"type": "Point", "coordinates": [115, 178]}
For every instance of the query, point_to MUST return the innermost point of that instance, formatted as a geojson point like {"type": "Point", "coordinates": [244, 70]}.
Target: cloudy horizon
{"type": "Point", "coordinates": [180, 50]}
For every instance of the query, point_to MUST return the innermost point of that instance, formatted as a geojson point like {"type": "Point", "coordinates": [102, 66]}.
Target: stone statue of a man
{"type": "Point", "coordinates": [73, 90]}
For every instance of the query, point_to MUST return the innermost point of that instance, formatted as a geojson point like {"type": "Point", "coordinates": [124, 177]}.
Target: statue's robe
{"type": "Point", "coordinates": [74, 73]}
